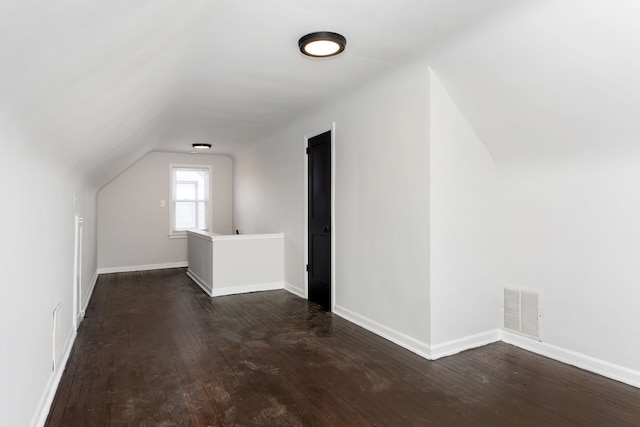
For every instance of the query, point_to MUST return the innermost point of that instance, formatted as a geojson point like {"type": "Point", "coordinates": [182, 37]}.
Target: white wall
{"type": "Point", "coordinates": [133, 229]}
{"type": "Point", "coordinates": [571, 230]}
{"type": "Point", "coordinates": [464, 227]}
{"type": "Point", "coordinates": [381, 214]}
{"type": "Point", "coordinates": [559, 222]}
{"type": "Point", "coordinates": [551, 90]}
{"type": "Point", "coordinates": [268, 197]}
{"type": "Point", "coordinates": [37, 230]}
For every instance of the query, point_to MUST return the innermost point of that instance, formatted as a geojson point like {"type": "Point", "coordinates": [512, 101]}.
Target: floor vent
{"type": "Point", "coordinates": [521, 312]}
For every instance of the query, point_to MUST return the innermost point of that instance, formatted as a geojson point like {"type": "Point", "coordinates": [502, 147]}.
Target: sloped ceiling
{"type": "Point", "coordinates": [550, 81]}
{"type": "Point", "coordinates": [103, 83]}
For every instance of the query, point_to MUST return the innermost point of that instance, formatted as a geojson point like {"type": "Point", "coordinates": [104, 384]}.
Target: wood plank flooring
{"type": "Point", "coordinates": [154, 350]}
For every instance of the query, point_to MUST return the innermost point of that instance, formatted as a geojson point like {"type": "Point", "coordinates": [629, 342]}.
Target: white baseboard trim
{"type": "Point", "coordinates": [465, 343]}
{"type": "Point", "coordinates": [582, 361]}
{"type": "Point", "coordinates": [92, 285]}
{"type": "Point", "coordinates": [294, 290]}
{"type": "Point", "coordinates": [411, 344]}
{"type": "Point", "coordinates": [204, 285]}
{"type": "Point", "coordinates": [245, 289]}
{"type": "Point", "coordinates": [46, 400]}
{"type": "Point", "coordinates": [570, 357]}
{"type": "Point", "coordinates": [129, 268]}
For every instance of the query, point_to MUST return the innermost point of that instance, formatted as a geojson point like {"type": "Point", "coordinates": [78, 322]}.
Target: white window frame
{"type": "Point", "coordinates": [173, 167]}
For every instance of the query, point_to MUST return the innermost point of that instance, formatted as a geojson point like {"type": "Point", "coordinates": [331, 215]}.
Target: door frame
{"type": "Point", "coordinates": [77, 273]}
{"type": "Point", "coordinates": [308, 135]}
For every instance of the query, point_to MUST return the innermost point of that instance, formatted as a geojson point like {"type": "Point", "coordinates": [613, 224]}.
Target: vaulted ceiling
{"type": "Point", "coordinates": [102, 83]}
{"type": "Point", "coordinates": [551, 81]}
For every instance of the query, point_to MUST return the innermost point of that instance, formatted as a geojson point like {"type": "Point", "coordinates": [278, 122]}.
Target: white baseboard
{"type": "Point", "coordinates": [204, 285]}
{"type": "Point", "coordinates": [411, 344]}
{"type": "Point", "coordinates": [588, 363]}
{"type": "Point", "coordinates": [92, 285]}
{"type": "Point", "coordinates": [582, 361]}
{"type": "Point", "coordinates": [245, 289]}
{"type": "Point", "coordinates": [465, 343]}
{"type": "Point", "coordinates": [129, 268]}
{"type": "Point", "coordinates": [46, 400]}
{"type": "Point", "coordinates": [295, 290]}
{"type": "Point", "coordinates": [233, 290]}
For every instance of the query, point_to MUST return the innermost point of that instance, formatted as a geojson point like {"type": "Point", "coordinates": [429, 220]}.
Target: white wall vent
{"type": "Point", "coordinates": [522, 312]}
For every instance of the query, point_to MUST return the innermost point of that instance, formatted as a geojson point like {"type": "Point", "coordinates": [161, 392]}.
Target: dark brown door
{"type": "Point", "coordinates": [319, 220]}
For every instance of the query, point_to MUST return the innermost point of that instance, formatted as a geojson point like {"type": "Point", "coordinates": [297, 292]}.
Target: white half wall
{"type": "Point", "coordinates": [133, 227]}
{"type": "Point", "coordinates": [381, 199]}
{"type": "Point", "coordinates": [234, 264]}
{"type": "Point", "coordinates": [464, 228]}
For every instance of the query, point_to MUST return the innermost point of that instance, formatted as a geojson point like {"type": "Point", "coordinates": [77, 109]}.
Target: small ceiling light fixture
{"type": "Point", "coordinates": [201, 146]}
{"type": "Point", "coordinates": [322, 44]}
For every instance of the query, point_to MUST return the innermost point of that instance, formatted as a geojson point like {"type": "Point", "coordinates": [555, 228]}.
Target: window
{"type": "Point", "coordinates": [189, 198]}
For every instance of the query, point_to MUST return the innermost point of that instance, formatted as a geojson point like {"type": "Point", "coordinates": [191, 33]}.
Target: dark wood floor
{"type": "Point", "coordinates": [154, 350]}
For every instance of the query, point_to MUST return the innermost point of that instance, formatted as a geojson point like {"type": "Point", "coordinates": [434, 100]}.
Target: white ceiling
{"type": "Point", "coordinates": [554, 81]}
{"type": "Point", "coordinates": [103, 83]}
{"type": "Point", "coordinates": [244, 75]}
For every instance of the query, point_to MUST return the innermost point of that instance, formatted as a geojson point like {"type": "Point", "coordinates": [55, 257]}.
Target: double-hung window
{"type": "Point", "coordinates": [190, 207]}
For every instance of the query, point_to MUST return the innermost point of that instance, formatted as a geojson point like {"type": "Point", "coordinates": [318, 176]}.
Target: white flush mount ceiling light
{"type": "Point", "coordinates": [322, 44]}
{"type": "Point", "coordinates": [201, 146]}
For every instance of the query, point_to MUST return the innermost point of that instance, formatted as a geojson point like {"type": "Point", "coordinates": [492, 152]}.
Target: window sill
{"type": "Point", "coordinates": [178, 236]}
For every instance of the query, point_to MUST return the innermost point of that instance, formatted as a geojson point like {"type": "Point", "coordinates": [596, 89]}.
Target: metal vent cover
{"type": "Point", "coordinates": [521, 312]}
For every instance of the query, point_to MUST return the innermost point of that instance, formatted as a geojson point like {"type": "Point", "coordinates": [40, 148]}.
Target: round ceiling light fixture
{"type": "Point", "coordinates": [322, 44]}
{"type": "Point", "coordinates": [201, 146]}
